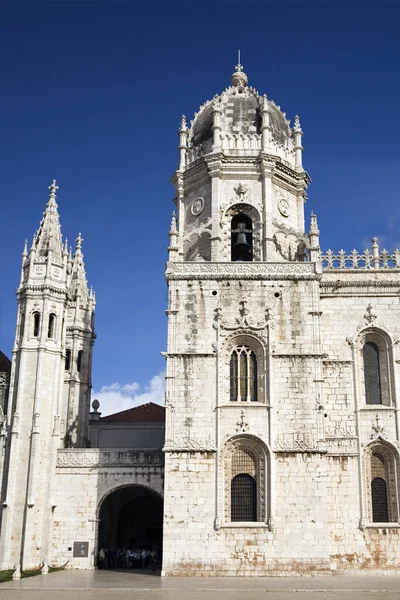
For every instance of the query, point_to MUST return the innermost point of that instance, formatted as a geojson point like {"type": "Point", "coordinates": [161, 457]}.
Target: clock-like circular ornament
{"type": "Point", "coordinates": [283, 207]}
{"type": "Point", "coordinates": [197, 207]}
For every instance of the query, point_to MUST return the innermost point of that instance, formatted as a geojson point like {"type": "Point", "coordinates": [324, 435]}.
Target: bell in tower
{"type": "Point", "coordinates": [241, 239]}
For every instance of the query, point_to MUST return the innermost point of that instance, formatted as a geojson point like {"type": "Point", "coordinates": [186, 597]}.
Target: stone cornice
{"type": "Point", "coordinates": [362, 282]}
{"type": "Point", "coordinates": [25, 289]}
{"type": "Point", "coordinates": [83, 330]}
{"type": "Point", "coordinates": [231, 270]}
{"type": "Point", "coordinates": [113, 457]}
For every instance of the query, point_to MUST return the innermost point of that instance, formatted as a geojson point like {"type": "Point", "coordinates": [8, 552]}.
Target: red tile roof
{"type": "Point", "coordinates": [149, 412]}
{"type": "Point", "coordinates": [5, 363]}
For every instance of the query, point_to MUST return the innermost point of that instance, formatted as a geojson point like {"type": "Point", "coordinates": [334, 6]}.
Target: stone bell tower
{"type": "Point", "coordinates": [50, 384]}
{"type": "Point", "coordinates": [243, 296]}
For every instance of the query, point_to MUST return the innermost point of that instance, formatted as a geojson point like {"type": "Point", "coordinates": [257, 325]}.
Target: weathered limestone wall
{"type": "Point", "coordinates": [83, 479]}
{"type": "Point", "coordinates": [195, 545]}
{"type": "Point", "coordinates": [311, 418]}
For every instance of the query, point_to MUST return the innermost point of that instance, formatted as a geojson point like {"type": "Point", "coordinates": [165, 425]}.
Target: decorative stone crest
{"type": "Point", "coordinates": [377, 428]}
{"type": "Point", "coordinates": [245, 321]}
{"type": "Point", "coordinates": [370, 316]}
{"type": "Point", "coordinates": [242, 193]}
{"type": "Point", "coordinates": [242, 426]}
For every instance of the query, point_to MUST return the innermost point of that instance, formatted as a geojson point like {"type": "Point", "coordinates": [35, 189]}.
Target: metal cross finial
{"type": "Point", "coordinates": [239, 67]}
{"type": "Point", "coordinates": [53, 188]}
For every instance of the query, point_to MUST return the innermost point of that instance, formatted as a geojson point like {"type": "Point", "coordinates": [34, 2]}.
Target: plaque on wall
{"type": "Point", "coordinates": [81, 549]}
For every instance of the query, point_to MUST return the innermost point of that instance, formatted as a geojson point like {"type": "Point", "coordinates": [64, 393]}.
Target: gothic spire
{"type": "Point", "coordinates": [79, 284]}
{"type": "Point", "coordinates": [48, 237]}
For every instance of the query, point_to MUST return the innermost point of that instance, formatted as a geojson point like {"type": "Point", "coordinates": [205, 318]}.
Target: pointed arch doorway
{"type": "Point", "coordinates": [131, 518]}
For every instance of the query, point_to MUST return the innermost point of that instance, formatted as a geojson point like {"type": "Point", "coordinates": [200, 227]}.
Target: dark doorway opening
{"type": "Point", "coordinates": [131, 519]}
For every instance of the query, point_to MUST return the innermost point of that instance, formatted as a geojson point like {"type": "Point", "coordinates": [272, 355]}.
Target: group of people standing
{"type": "Point", "coordinates": [120, 558]}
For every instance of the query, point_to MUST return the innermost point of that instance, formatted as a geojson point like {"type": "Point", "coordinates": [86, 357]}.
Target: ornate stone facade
{"type": "Point", "coordinates": [282, 436]}
{"type": "Point", "coordinates": [292, 324]}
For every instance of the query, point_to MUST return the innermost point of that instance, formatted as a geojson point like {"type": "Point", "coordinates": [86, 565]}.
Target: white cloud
{"type": "Point", "coordinates": [116, 397]}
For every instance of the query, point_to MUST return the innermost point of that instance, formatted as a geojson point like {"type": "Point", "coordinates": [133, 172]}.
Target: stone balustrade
{"type": "Point", "coordinates": [369, 259]}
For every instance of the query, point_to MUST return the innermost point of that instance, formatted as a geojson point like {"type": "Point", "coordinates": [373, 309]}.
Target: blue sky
{"type": "Point", "coordinates": [92, 94]}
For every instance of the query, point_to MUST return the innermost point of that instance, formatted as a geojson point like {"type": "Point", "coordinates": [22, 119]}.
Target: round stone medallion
{"type": "Point", "coordinates": [197, 206]}
{"type": "Point", "coordinates": [284, 208]}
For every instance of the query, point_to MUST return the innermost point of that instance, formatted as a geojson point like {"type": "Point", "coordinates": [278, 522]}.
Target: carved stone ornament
{"type": "Point", "coordinates": [242, 426]}
{"type": "Point", "coordinates": [187, 443]}
{"type": "Point", "coordinates": [197, 206]}
{"type": "Point", "coordinates": [242, 193]}
{"type": "Point", "coordinates": [284, 207]}
{"type": "Point", "coordinates": [94, 457]}
{"type": "Point", "coordinates": [372, 325]}
{"type": "Point", "coordinates": [340, 430]}
{"type": "Point", "coordinates": [242, 271]}
{"type": "Point", "coordinates": [295, 442]}
{"type": "Point", "coordinates": [245, 321]}
{"type": "Point", "coordinates": [378, 430]}
{"type": "Point", "coordinates": [342, 446]}
{"type": "Point", "coordinates": [203, 227]}
{"type": "Point", "coordinates": [341, 439]}
{"type": "Point", "coordinates": [370, 316]}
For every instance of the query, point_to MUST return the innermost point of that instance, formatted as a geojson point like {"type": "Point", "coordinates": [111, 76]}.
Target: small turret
{"type": "Point", "coordinates": [173, 239]}
{"type": "Point", "coordinates": [298, 148]}
{"type": "Point", "coordinates": [314, 238]}
{"type": "Point", "coordinates": [183, 134]}
{"type": "Point", "coordinates": [79, 286]}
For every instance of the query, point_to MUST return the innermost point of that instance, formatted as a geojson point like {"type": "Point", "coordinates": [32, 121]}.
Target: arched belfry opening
{"type": "Point", "coordinates": [131, 518]}
{"type": "Point", "coordinates": [241, 238]}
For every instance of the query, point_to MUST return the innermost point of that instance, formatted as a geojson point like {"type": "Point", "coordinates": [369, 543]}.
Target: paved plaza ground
{"type": "Point", "coordinates": [110, 585]}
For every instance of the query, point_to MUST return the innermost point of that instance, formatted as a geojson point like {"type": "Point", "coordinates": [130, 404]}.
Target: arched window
{"type": "Point", "coordinates": [79, 361]}
{"type": "Point", "coordinates": [51, 327]}
{"type": "Point", "coordinates": [241, 238]}
{"type": "Point", "coordinates": [243, 375]}
{"type": "Point", "coordinates": [376, 367]}
{"type": "Point", "coordinates": [245, 473]}
{"type": "Point", "coordinates": [382, 468]}
{"type": "Point", "coordinates": [68, 360]}
{"type": "Point", "coordinates": [380, 513]}
{"type": "Point", "coordinates": [372, 377]}
{"type": "Point", "coordinates": [36, 324]}
{"type": "Point", "coordinates": [379, 498]}
{"type": "Point", "coordinates": [243, 498]}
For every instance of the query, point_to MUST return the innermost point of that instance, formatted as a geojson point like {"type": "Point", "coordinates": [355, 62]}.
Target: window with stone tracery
{"type": "Point", "coordinates": [382, 467]}
{"type": "Point", "coordinates": [243, 375]}
{"type": "Point", "coordinates": [244, 481]}
{"type": "Point", "coordinates": [376, 368]}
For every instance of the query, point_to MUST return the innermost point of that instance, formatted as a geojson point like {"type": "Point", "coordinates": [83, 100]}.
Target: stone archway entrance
{"type": "Point", "coordinates": [131, 517]}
